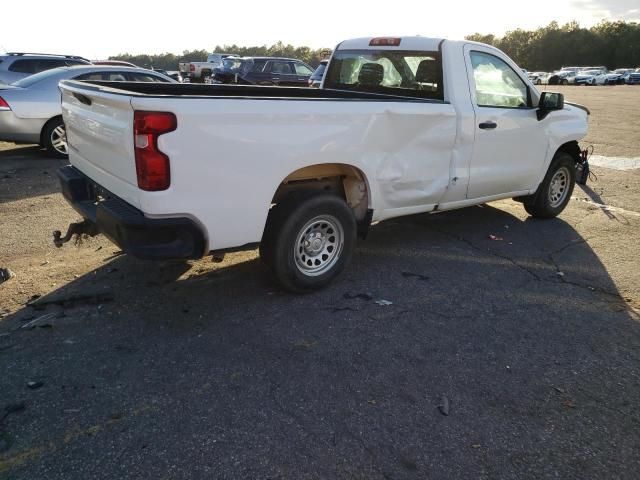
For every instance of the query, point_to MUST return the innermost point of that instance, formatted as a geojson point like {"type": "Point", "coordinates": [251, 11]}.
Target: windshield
{"type": "Point", "coordinates": [231, 64]}
{"type": "Point", "coordinates": [38, 77]}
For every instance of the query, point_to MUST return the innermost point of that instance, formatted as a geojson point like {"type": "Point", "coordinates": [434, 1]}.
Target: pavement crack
{"type": "Point", "coordinates": [572, 243]}
{"type": "Point", "coordinates": [460, 238]}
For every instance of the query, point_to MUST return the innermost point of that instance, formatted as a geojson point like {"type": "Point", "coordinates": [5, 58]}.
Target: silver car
{"type": "Point", "coordinates": [30, 109]}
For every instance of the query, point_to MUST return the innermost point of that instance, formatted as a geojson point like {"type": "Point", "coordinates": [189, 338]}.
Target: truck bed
{"type": "Point", "coordinates": [240, 91]}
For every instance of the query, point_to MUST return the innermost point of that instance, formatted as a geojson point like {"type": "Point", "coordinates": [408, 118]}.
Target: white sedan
{"type": "Point", "coordinates": [30, 109]}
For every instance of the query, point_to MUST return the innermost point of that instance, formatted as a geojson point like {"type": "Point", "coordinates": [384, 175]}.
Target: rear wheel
{"type": "Point", "coordinates": [309, 240]}
{"type": "Point", "coordinates": [54, 138]}
{"type": "Point", "coordinates": [555, 191]}
{"type": "Point", "coordinates": [564, 81]}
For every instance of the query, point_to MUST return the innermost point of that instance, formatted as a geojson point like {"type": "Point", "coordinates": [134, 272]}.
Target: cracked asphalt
{"type": "Point", "coordinates": [205, 370]}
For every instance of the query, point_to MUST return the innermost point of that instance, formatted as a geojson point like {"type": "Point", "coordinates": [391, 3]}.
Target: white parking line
{"type": "Point", "coordinates": [607, 208]}
{"type": "Point", "coordinates": [615, 163]}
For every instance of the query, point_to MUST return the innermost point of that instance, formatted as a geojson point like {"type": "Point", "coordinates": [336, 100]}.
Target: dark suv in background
{"type": "Point", "coordinates": [16, 65]}
{"type": "Point", "coordinates": [285, 72]}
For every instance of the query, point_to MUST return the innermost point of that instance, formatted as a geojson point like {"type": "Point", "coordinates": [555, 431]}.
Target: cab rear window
{"type": "Point", "coordinates": [404, 73]}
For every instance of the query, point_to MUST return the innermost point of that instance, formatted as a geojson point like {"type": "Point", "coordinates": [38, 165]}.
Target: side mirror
{"type": "Point", "coordinates": [548, 103]}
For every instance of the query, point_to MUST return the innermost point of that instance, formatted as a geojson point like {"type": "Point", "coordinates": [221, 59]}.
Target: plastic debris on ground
{"type": "Point", "coordinates": [384, 303]}
{"type": "Point", "coordinates": [6, 274]}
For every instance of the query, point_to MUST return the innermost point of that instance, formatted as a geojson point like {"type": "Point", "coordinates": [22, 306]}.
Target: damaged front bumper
{"type": "Point", "coordinates": [125, 225]}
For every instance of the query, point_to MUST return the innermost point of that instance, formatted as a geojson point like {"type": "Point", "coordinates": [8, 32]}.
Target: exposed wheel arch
{"type": "Point", "coordinates": [572, 148]}
{"type": "Point", "coordinates": [341, 179]}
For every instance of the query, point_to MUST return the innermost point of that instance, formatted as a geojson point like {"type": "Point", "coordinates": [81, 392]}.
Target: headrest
{"type": "Point", "coordinates": [371, 74]}
{"type": "Point", "coordinates": [427, 72]}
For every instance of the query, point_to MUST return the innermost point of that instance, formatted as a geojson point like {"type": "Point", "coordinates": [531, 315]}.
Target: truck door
{"type": "Point", "coordinates": [510, 143]}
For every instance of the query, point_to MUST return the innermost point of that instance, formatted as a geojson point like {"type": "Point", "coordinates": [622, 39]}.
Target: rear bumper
{"type": "Point", "coordinates": [126, 226]}
{"type": "Point", "coordinates": [20, 130]}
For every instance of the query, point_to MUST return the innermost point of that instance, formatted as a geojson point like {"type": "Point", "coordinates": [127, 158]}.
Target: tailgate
{"type": "Point", "coordinates": [99, 126]}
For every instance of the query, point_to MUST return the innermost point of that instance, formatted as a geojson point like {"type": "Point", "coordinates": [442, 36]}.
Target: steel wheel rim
{"type": "Point", "coordinates": [559, 187]}
{"type": "Point", "coordinates": [59, 139]}
{"type": "Point", "coordinates": [318, 245]}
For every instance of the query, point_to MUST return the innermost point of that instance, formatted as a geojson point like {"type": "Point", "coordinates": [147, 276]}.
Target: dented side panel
{"type": "Point", "coordinates": [410, 154]}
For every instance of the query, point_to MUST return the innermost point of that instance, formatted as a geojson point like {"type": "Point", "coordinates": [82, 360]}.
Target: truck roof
{"type": "Point", "coordinates": [405, 43]}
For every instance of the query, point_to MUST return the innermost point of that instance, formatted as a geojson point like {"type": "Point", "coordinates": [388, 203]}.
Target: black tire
{"type": "Point", "coordinates": [51, 138]}
{"type": "Point", "coordinates": [286, 251]}
{"type": "Point", "coordinates": [564, 81]}
{"type": "Point", "coordinates": [554, 193]}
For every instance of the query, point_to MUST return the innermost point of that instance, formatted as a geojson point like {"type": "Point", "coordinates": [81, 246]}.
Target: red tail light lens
{"type": "Point", "coordinates": [192, 68]}
{"type": "Point", "coordinates": [4, 105]}
{"type": "Point", "coordinates": [152, 165]}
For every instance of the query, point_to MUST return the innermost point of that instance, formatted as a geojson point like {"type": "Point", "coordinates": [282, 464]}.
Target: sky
{"type": "Point", "coordinates": [97, 30]}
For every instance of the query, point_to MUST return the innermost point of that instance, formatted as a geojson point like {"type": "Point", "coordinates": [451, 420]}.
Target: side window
{"type": "Point", "coordinates": [48, 64]}
{"type": "Point", "coordinates": [302, 69]}
{"type": "Point", "coordinates": [115, 77]}
{"type": "Point", "coordinates": [89, 76]}
{"type": "Point", "coordinates": [497, 85]}
{"type": "Point", "coordinates": [283, 68]}
{"type": "Point", "coordinates": [258, 66]}
{"type": "Point", "coordinates": [24, 66]}
{"type": "Point", "coordinates": [144, 77]}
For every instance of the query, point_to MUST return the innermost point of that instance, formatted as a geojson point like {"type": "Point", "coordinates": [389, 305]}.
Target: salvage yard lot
{"type": "Point", "coordinates": [205, 370]}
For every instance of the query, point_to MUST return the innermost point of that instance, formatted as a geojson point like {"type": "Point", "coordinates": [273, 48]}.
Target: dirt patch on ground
{"type": "Point", "coordinates": [615, 116]}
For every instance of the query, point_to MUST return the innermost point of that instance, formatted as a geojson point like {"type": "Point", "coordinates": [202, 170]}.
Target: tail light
{"type": "Point", "coordinates": [152, 166]}
{"type": "Point", "coordinates": [385, 42]}
{"type": "Point", "coordinates": [192, 68]}
{"type": "Point", "coordinates": [4, 105]}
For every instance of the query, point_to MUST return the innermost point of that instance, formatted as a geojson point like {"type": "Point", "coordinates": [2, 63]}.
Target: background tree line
{"type": "Point", "coordinates": [169, 61]}
{"type": "Point", "coordinates": [612, 44]}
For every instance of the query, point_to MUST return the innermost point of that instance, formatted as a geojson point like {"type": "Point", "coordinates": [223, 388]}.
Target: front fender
{"type": "Point", "coordinates": [567, 125]}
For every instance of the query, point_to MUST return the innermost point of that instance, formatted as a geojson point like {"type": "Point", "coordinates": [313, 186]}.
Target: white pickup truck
{"type": "Point", "coordinates": [197, 72]}
{"type": "Point", "coordinates": [400, 126]}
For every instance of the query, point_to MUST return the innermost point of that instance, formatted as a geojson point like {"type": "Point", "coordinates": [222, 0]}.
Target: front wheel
{"type": "Point", "coordinates": [54, 138]}
{"type": "Point", "coordinates": [565, 82]}
{"type": "Point", "coordinates": [555, 191]}
{"type": "Point", "coordinates": [309, 240]}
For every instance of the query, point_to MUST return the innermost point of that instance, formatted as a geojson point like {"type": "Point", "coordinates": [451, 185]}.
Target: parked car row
{"type": "Point", "coordinates": [285, 72]}
{"type": "Point", "coordinates": [599, 75]}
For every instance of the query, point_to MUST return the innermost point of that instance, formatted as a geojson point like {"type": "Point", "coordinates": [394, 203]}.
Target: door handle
{"type": "Point", "coordinates": [488, 125]}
